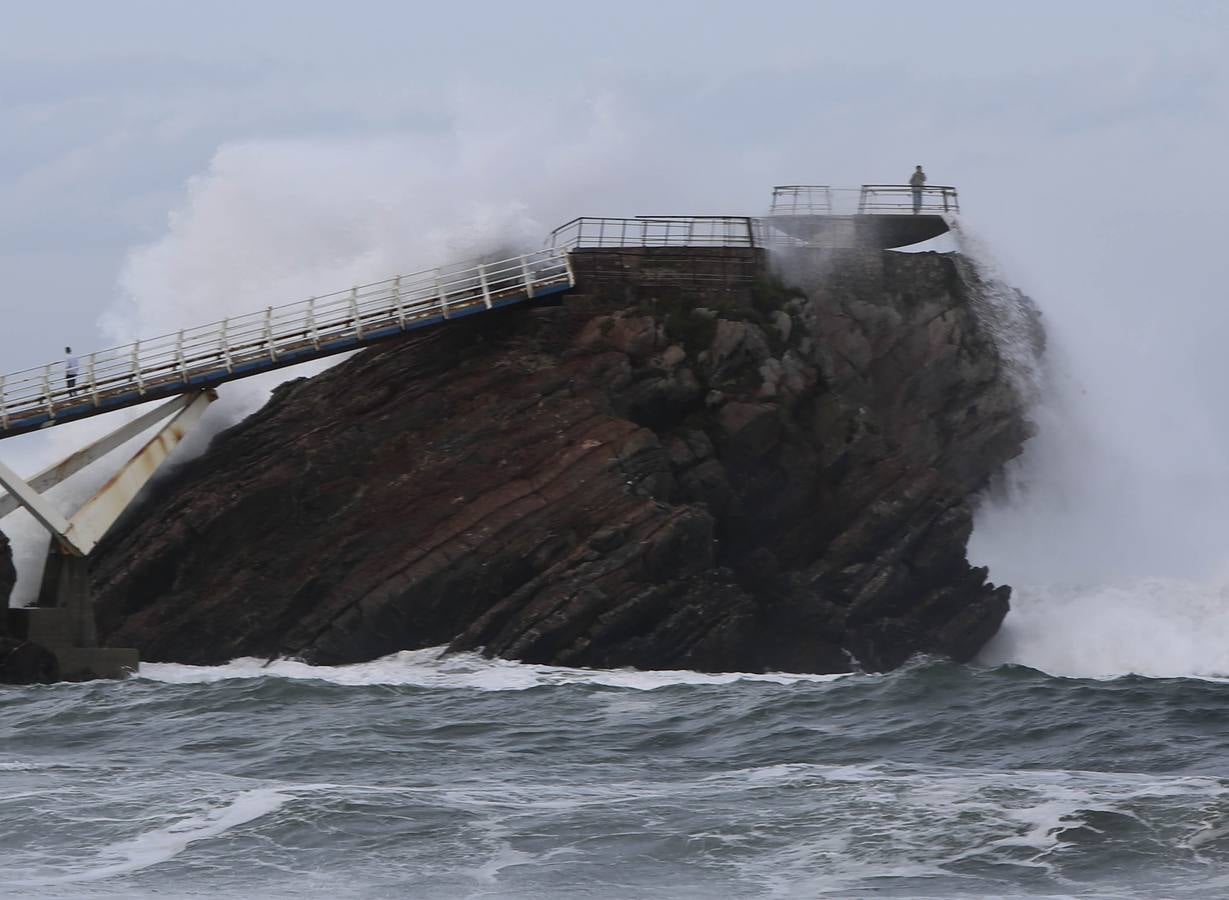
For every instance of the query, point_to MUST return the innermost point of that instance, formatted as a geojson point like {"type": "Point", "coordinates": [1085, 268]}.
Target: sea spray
{"type": "Point", "coordinates": [1007, 315]}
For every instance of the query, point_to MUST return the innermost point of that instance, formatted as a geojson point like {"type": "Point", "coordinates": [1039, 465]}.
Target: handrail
{"type": "Point", "coordinates": [277, 335]}
{"type": "Point", "coordinates": [801, 200]}
{"type": "Point", "coordinates": [872, 199]}
{"type": "Point", "coordinates": [904, 198]}
{"type": "Point", "coordinates": [588, 232]}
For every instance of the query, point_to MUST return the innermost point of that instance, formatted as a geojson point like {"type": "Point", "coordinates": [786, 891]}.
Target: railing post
{"type": "Point", "coordinates": [439, 293]}
{"type": "Point", "coordinates": [750, 232]}
{"type": "Point", "coordinates": [358, 322]}
{"type": "Point", "coordinates": [136, 368]}
{"type": "Point", "coordinates": [183, 368]}
{"type": "Point", "coordinates": [486, 287]}
{"type": "Point", "coordinates": [527, 276]}
{"type": "Point", "coordinates": [397, 303]}
{"type": "Point", "coordinates": [91, 374]}
{"type": "Point", "coordinates": [269, 334]}
{"type": "Point", "coordinates": [313, 333]}
{"type": "Point", "coordinates": [230, 366]}
{"type": "Point", "coordinates": [4, 406]}
{"type": "Point", "coordinates": [47, 390]}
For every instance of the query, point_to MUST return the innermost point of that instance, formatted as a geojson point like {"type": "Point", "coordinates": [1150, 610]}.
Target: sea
{"type": "Point", "coordinates": [1084, 754]}
{"type": "Point", "coordinates": [424, 775]}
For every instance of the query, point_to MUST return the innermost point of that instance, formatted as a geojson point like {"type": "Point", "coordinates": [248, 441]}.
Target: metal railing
{"type": "Point", "coordinates": [589, 232]}
{"type": "Point", "coordinates": [278, 335]}
{"type": "Point", "coordinates": [902, 198]}
{"type": "Point", "coordinates": [870, 199]}
{"type": "Point", "coordinates": [801, 200]}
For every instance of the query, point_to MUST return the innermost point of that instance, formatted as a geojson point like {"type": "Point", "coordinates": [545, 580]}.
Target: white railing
{"type": "Point", "coordinates": [590, 232]}
{"type": "Point", "coordinates": [903, 199]}
{"type": "Point", "coordinates": [258, 341]}
{"type": "Point", "coordinates": [869, 199]}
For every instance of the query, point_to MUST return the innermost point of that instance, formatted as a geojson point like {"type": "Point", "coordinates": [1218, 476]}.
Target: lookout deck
{"type": "Point", "coordinates": [885, 215]}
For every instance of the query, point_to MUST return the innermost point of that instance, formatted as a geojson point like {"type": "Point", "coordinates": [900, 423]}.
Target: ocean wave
{"type": "Point", "coordinates": [1159, 628]}
{"type": "Point", "coordinates": [157, 845]}
{"type": "Point", "coordinates": [431, 668]}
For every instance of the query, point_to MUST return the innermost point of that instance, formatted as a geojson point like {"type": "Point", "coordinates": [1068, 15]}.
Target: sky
{"type": "Point", "coordinates": [167, 163]}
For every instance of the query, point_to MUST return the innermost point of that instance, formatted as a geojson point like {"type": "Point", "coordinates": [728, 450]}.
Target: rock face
{"type": "Point", "coordinates": [676, 468]}
{"type": "Point", "coordinates": [21, 661]}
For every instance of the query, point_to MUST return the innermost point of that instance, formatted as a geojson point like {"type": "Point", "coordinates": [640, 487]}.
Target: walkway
{"type": "Point", "coordinates": [278, 336]}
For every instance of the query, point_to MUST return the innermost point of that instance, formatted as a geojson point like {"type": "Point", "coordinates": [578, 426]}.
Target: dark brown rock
{"type": "Point", "coordinates": [24, 662]}
{"type": "Point", "coordinates": [21, 661]}
{"type": "Point", "coordinates": [8, 578]}
{"type": "Point", "coordinates": [559, 485]}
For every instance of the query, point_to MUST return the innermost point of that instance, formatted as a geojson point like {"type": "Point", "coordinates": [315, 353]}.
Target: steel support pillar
{"type": "Point", "coordinates": [80, 534]}
{"type": "Point", "coordinates": [63, 621]}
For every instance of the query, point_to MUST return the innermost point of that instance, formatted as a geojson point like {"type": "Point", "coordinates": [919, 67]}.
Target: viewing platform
{"type": "Point", "coordinates": [874, 216]}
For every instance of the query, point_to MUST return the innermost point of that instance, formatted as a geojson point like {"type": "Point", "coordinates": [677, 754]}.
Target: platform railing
{"type": "Point", "coordinates": [588, 232]}
{"type": "Point", "coordinates": [869, 199]}
{"type": "Point", "coordinates": [904, 199]}
{"type": "Point", "coordinates": [801, 200]}
{"type": "Point", "coordinates": [312, 327]}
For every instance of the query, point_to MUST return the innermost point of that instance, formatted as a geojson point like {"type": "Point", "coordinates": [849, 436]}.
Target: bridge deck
{"type": "Point", "coordinates": [279, 336]}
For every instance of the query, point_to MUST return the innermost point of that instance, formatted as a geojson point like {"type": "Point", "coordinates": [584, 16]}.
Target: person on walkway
{"type": "Point", "coordinates": [917, 181]}
{"type": "Point", "coordinates": [71, 367]}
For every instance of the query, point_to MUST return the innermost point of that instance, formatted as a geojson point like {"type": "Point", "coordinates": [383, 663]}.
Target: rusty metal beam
{"type": "Point", "coordinates": [70, 465]}
{"type": "Point", "coordinates": [86, 528]}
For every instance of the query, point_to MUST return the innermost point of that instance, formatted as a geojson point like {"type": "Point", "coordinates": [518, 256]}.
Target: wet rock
{"type": "Point", "coordinates": [8, 578]}
{"type": "Point", "coordinates": [597, 487]}
{"type": "Point", "coordinates": [783, 323]}
{"type": "Point", "coordinates": [23, 662]}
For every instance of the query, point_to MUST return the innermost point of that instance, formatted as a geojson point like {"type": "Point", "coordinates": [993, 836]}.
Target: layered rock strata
{"type": "Point", "coordinates": [683, 465]}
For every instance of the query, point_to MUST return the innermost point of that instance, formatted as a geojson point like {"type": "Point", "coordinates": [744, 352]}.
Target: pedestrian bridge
{"type": "Point", "coordinates": [194, 359]}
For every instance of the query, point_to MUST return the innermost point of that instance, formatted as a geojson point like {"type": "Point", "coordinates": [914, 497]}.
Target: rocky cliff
{"type": "Point", "coordinates": [686, 464]}
{"type": "Point", "coordinates": [21, 661]}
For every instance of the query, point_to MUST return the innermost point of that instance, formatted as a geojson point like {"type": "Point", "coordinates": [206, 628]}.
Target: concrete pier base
{"type": "Point", "coordinates": [63, 622]}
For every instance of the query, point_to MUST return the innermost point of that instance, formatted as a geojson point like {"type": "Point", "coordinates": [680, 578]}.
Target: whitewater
{"type": "Point", "coordinates": [427, 776]}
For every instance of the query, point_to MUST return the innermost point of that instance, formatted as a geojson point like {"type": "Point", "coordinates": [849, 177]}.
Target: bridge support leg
{"type": "Point", "coordinates": [63, 621]}
{"type": "Point", "coordinates": [66, 585]}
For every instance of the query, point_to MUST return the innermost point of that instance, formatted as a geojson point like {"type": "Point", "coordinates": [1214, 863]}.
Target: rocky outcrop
{"type": "Point", "coordinates": [8, 578]}
{"type": "Point", "coordinates": [675, 468]}
{"type": "Point", "coordinates": [21, 661]}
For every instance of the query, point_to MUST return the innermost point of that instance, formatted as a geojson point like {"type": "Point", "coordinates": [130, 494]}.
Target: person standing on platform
{"type": "Point", "coordinates": [71, 367]}
{"type": "Point", "coordinates": [917, 181]}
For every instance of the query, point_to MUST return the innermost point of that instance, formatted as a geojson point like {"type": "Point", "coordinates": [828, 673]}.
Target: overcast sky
{"type": "Point", "coordinates": [165, 163]}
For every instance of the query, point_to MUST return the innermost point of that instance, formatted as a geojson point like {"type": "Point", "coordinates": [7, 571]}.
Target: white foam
{"type": "Point", "coordinates": [431, 668]}
{"type": "Point", "coordinates": [1155, 627]}
{"type": "Point", "coordinates": [158, 845]}
{"type": "Point", "coordinates": [1009, 818]}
